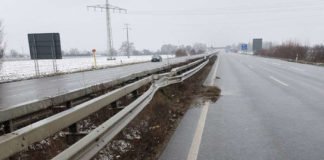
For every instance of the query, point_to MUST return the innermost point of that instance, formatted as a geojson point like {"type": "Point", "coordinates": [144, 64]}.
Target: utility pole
{"type": "Point", "coordinates": [127, 34]}
{"type": "Point", "coordinates": [107, 7]}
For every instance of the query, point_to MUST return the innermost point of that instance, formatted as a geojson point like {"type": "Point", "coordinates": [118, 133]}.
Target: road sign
{"type": "Point", "coordinates": [45, 46]}
{"type": "Point", "coordinates": [244, 47]}
{"type": "Point", "coordinates": [257, 45]}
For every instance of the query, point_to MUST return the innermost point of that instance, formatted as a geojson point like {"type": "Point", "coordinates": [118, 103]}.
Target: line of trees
{"type": "Point", "coordinates": [179, 51]}
{"type": "Point", "coordinates": [316, 54]}
{"type": "Point", "coordinates": [166, 49]}
{"type": "Point", "coordinates": [292, 50]}
{"type": "Point", "coordinates": [76, 52]}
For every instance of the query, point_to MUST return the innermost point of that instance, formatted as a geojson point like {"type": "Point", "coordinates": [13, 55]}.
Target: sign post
{"type": "Point", "coordinates": [257, 45]}
{"type": "Point", "coordinates": [34, 52]}
{"type": "Point", "coordinates": [94, 58]}
{"type": "Point", "coordinates": [45, 46]}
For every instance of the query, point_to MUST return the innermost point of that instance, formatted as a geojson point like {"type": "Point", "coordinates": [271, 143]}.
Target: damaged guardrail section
{"type": "Point", "coordinates": [88, 146]}
{"type": "Point", "coordinates": [91, 144]}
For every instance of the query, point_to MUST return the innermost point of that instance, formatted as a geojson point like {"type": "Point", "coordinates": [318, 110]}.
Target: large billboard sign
{"type": "Point", "coordinates": [45, 46]}
{"type": "Point", "coordinates": [257, 45]}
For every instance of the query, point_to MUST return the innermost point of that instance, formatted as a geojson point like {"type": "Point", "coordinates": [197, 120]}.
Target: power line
{"type": "Point", "coordinates": [230, 10]}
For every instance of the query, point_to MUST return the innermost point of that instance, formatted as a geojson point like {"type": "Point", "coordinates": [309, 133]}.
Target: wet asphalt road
{"type": "Point", "coordinates": [14, 93]}
{"type": "Point", "coordinates": [269, 110]}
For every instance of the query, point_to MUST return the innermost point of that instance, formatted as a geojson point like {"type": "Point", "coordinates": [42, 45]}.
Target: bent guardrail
{"type": "Point", "coordinates": [91, 144]}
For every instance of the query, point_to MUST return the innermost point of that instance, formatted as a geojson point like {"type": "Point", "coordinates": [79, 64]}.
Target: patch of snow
{"type": "Point", "coordinates": [22, 69]}
{"type": "Point", "coordinates": [131, 134]}
{"type": "Point", "coordinates": [121, 145]}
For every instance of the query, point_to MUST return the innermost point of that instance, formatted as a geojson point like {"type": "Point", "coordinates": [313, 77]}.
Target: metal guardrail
{"type": "Point", "coordinates": [178, 69]}
{"type": "Point", "coordinates": [41, 104]}
{"type": "Point", "coordinates": [19, 140]}
{"type": "Point", "coordinates": [90, 145]}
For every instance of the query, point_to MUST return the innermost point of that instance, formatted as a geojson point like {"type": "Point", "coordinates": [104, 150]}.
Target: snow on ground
{"type": "Point", "coordinates": [22, 69]}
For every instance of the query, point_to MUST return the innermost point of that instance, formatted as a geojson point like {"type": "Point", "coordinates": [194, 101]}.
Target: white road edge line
{"type": "Point", "coordinates": [195, 145]}
{"type": "Point", "coordinates": [215, 72]}
{"type": "Point", "coordinates": [280, 82]}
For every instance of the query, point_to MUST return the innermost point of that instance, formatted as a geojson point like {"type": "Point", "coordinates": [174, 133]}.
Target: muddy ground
{"type": "Point", "coordinates": [147, 135]}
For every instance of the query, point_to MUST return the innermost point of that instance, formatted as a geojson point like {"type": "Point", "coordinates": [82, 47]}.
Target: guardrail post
{"type": "Point", "coordinates": [114, 105]}
{"type": "Point", "coordinates": [135, 94]}
{"type": "Point", "coordinates": [8, 127]}
{"type": "Point", "coordinates": [72, 137]}
{"type": "Point", "coordinates": [74, 127]}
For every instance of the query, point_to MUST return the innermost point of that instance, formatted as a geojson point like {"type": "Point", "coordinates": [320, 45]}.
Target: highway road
{"type": "Point", "coordinates": [15, 93]}
{"type": "Point", "coordinates": [269, 110]}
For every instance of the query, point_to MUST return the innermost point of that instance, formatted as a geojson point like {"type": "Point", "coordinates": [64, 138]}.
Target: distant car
{"type": "Point", "coordinates": [156, 58]}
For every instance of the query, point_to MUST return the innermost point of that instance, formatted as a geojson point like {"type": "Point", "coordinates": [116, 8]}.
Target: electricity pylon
{"type": "Point", "coordinates": [107, 7]}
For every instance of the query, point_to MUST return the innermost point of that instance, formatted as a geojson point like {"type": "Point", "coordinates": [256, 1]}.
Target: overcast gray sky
{"type": "Point", "coordinates": [156, 22]}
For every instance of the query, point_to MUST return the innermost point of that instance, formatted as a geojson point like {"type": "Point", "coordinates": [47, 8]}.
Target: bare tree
{"type": "Point", "coordinates": [181, 53]}
{"type": "Point", "coordinates": [2, 43]}
{"type": "Point", "coordinates": [168, 49]}
{"type": "Point", "coordinates": [200, 48]}
{"type": "Point", "coordinates": [288, 50]}
{"type": "Point", "coordinates": [124, 48]}
{"type": "Point", "coordinates": [14, 54]}
{"type": "Point", "coordinates": [316, 54]}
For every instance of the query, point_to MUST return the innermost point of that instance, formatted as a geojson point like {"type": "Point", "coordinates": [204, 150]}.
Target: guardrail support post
{"type": "Point", "coordinates": [73, 129]}
{"type": "Point", "coordinates": [72, 136]}
{"type": "Point", "coordinates": [8, 127]}
{"type": "Point", "coordinates": [135, 94]}
{"type": "Point", "coordinates": [114, 105]}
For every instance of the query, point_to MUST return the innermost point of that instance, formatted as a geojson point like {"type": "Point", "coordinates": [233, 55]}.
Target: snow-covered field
{"type": "Point", "coordinates": [21, 69]}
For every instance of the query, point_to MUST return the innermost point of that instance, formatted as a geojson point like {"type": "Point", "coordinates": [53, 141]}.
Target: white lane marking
{"type": "Point", "coordinates": [212, 82]}
{"type": "Point", "coordinates": [280, 82]}
{"type": "Point", "coordinates": [195, 145]}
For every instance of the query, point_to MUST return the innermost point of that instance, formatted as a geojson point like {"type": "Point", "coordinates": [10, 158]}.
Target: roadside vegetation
{"type": "Point", "coordinates": [294, 51]}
